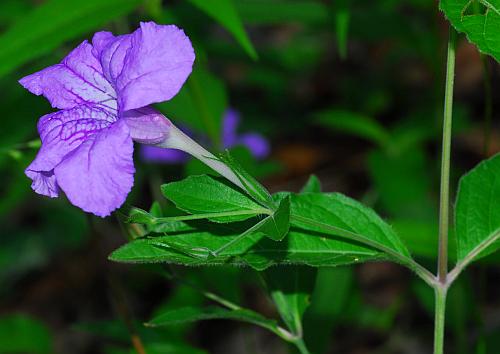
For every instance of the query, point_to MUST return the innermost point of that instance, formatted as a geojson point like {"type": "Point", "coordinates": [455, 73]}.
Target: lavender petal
{"type": "Point", "coordinates": [99, 174]}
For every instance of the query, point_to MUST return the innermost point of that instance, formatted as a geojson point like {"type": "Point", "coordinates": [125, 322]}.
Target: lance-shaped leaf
{"type": "Point", "coordinates": [199, 246]}
{"type": "Point", "coordinates": [291, 290]}
{"type": "Point", "coordinates": [479, 20]}
{"type": "Point", "coordinates": [336, 214]}
{"type": "Point", "coordinates": [224, 12]}
{"type": "Point", "coordinates": [205, 194]}
{"type": "Point", "coordinates": [195, 314]}
{"type": "Point", "coordinates": [313, 185]}
{"type": "Point", "coordinates": [478, 212]}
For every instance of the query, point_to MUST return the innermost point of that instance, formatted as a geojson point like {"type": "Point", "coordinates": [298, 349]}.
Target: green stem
{"type": "Point", "coordinates": [439, 318]}
{"type": "Point", "coordinates": [301, 346]}
{"type": "Point", "coordinates": [444, 202]}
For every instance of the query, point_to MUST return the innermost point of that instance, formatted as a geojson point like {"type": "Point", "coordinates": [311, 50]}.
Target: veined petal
{"type": "Point", "coordinates": [78, 79]}
{"type": "Point", "coordinates": [99, 174]}
{"type": "Point", "coordinates": [63, 131]}
{"type": "Point", "coordinates": [147, 125]}
{"type": "Point", "coordinates": [155, 67]}
{"type": "Point", "coordinates": [111, 51]}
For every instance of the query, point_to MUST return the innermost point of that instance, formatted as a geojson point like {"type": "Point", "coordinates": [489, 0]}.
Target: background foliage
{"type": "Point", "coordinates": [349, 91]}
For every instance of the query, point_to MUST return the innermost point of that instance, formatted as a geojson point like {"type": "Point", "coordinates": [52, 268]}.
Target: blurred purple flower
{"type": "Point", "coordinates": [256, 143]}
{"type": "Point", "coordinates": [103, 91]}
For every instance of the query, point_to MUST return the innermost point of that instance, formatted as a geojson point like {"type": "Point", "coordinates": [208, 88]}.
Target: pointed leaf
{"type": "Point", "coordinates": [344, 217]}
{"type": "Point", "coordinates": [477, 213]}
{"type": "Point", "coordinates": [313, 185]}
{"type": "Point", "coordinates": [194, 314]}
{"type": "Point", "coordinates": [291, 291]}
{"type": "Point", "coordinates": [224, 12]}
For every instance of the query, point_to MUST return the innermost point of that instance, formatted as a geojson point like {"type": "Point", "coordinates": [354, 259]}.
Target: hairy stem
{"type": "Point", "coordinates": [439, 318]}
{"type": "Point", "coordinates": [444, 202]}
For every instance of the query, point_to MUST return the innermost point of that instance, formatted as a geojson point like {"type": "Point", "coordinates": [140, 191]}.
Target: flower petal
{"type": "Point", "coordinates": [98, 176]}
{"type": "Point", "coordinates": [155, 67]}
{"type": "Point", "coordinates": [78, 79]}
{"type": "Point", "coordinates": [44, 183]}
{"type": "Point", "coordinates": [147, 125]}
{"type": "Point", "coordinates": [62, 132]}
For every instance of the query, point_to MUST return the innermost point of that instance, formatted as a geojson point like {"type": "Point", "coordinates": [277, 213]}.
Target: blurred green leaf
{"type": "Point", "coordinates": [342, 17]}
{"type": "Point", "coordinates": [201, 105]}
{"type": "Point", "coordinates": [479, 20]}
{"type": "Point", "coordinates": [22, 334]}
{"type": "Point", "coordinates": [313, 185]}
{"type": "Point", "coordinates": [52, 23]}
{"type": "Point", "coordinates": [291, 291]}
{"type": "Point", "coordinates": [224, 12]}
{"type": "Point", "coordinates": [205, 194]}
{"type": "Point", "coordinates": [403, 183]}
{"type": "Point", "coordinates": [265, 12]}
{"type": "Point", "coordinates": [329, 298]}
{"type": "Point", "coordinates": [477, 214]}
{"type": "Point", "coordinates": [353, 123]}
{"type": "Point", "coordinates": [194, 314]}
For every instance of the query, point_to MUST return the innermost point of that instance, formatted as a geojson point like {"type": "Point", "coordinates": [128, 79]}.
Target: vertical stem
{"type": "Point", "coordinates": [439, 319]}
{"type": "Point", "coordinates": [445, 161]}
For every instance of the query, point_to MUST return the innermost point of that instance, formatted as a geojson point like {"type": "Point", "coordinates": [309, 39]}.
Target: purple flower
{"type": "Point", "coordinates": [102, 91]}
{"type": "Point", "coordinates": [256, 143]}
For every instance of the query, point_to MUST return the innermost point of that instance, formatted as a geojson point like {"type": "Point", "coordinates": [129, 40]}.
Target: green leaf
{"type": "Point", "coordinates": [224, 12]}
{"type": "Point", "coordinates": [206, 194]}
{"type": "Point", "coordinates": [313, 185]}
{"type": "Point", "coordinates": [290, 290]}
{"type": "Point", "coordinates": [196, 247]}
{"type": "Point", "coordinates": [477, 215]}
{"type": "Point", "coordinates": [276, 226]}
{"type": "Point", "coordinates": [479, 20]}
{"type": "Point", "coordinates": [53, 23]}
{"type": "Point", "coordinates": [353, 123]}
{"type": "Point", "coordinates": [23, 334]}
{"type": "Point", "coordinates": [194, 314]}
{"type": "Point", "coordinates": [342, 216]}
